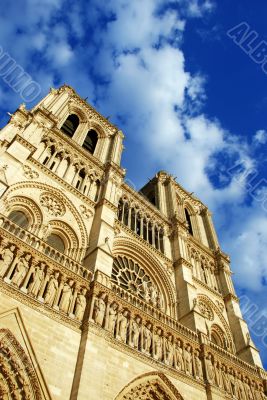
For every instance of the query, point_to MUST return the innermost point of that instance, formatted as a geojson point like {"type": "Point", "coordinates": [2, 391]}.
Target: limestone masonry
{"type": "Point", "coordinates": [107, 293]}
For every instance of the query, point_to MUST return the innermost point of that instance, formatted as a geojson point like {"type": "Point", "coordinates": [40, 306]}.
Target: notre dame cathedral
{"type": "Point", "coordinates": [105, 292]}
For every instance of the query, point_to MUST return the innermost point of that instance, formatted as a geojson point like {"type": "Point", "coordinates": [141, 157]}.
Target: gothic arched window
{"type": "Point", "coordinates": [70, 125]}
{"type": "Point", "coordinates": [19, 218]}
{"type": "Point", "coordinates": [90, 141]}
{"type": "Point", "coordinates": [188, 220]}
{"type": "Point", "coordinates": [55, 241]}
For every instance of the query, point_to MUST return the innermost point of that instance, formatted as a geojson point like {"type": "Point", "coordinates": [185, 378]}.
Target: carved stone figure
{"type": "Point", "coordinates": [232, 382]}
{"type": "Point", "coordinates": [218, 375]}
{"type": "Point", "coordinates": [188, 360]}
{"type": "Point", "coordinates": [210, 369]}
{"type": "Point", "coordinates": [240, 388]}
{"type": "Point", "coordinates": [66, 296]}
{"type": "Point", "coordinates": [122, 326]}
{"type": "Point", "coordinates": [225, 379]}
{"type": "Point", "coordinates": [160, 301]}
{"type": "Point", "coordinates": [80, 304]}
{"type": "Point", "coordinates": [7, 258]}
{"type": "Point", "coordinates": [178, 356]}
{"type": "Point", "coordinates": [198, 366]}
{"type": "Point", "coordinates": [153, 295]}
{"type": "Point", "coordinates": [158, 345]}
{"type": "Point", "coordinates": [37, 280]}
{"type": "Point", "coordinates": [21, 270]}
{"type": "Point", "coordinates": [135, 332]}
{"type": "Point", "coordinates": [169, 350]}
{"type": "Point", "coordinates": [99, 310]}
{"type": "Point", "coordinates": [247, 389]}
{"type": "Point", "coordinates": [112, 317]}
{"type": "Point", "coordinates": [51, 290]}
{"type": "Point", "coordinates": [147, 339]}
{"type": "Point", "coordinates": [146, 291]}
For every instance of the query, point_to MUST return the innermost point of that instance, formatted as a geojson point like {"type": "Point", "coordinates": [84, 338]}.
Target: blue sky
{"type": "Point", "coordinates": [188, 99]}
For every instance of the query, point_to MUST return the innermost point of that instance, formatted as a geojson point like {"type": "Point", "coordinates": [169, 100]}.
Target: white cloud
{"type": "Point", "coordinates": [260, 137]}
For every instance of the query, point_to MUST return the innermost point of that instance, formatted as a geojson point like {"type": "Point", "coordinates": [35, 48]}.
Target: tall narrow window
{"type": "Point", "coordinates": [19, 218]}
{"type": "Point", "coordinates": [90, 141]}
{"type": "Point", "coordinates": [70, 125]}
{"type": "Point", "coordinates": [189, 223]}
{"type": "Point", "coordinates": [120, 210]}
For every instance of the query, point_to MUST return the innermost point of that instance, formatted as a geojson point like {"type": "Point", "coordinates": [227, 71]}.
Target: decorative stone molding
{"type": "Point", "coordinates": [52, 205]}
{"type": "Point", "coordinates": [205, 310]}
{"type": "Point", "coordinates": [30, 173]}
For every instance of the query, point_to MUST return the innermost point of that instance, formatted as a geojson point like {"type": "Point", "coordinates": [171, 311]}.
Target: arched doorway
{"type": "Point", "coordinates": [151, 386]}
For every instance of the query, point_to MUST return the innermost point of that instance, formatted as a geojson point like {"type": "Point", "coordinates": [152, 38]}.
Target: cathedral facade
{"type": "Point", "coordinates": [106, 292]}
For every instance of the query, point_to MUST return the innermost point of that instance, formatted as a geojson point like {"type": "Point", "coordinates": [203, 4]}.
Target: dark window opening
{"type": "Point", "coordinates": [90, 141]}
{"type": "Point", "coordinates": [19, 218]}
{"type": "Point", "coordinates": [55, 241]}
{"type": "Point", "coordinates": [189, 223]}
{"type": "Point", "coordinates": [70, 125]}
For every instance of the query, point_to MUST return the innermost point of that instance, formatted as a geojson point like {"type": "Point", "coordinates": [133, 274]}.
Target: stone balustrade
{"type": "Point", "coordinates": [6, 225]}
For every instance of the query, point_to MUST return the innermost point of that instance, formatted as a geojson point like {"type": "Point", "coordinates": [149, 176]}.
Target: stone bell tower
{"type": "Point", "coordinates": [107, 292]}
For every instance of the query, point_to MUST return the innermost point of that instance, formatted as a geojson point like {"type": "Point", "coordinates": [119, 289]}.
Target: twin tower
{"type": "Point", "coordinates": [105, 292]}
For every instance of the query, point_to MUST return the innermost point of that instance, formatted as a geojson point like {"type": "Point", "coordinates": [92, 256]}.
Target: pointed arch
{"type": "Point", "coordinates": [153, 384]}
{"type": "Point", "coordinates": [17, 372]}
{"type": "Point", "coordinates": [130, 249]}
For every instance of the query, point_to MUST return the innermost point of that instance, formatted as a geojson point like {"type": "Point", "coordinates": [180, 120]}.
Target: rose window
{"type": "Point", "coordinates": [130, 276]}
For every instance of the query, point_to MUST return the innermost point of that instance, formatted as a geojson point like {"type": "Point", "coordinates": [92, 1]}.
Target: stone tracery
{"type": "Point", "coordinates": [132, 277]}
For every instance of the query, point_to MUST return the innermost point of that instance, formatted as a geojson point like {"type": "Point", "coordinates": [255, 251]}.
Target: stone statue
{"type": "Point", "coordinates": [66, 296]}
{"type": "Point", "coordinates": [198, 366]}
{"type": "Point", "coordinates": [210, 369]}
{"type": "Point", "coordinates": [178, 356]}
{"type": "Point", "coordinates": [218, 374]}
{"type": "Point", "coordinates": [99, 310]}
{"type": "Point", "coordinates": [37, 280]}
{"type": "Point", "coordinates": [112, 317]}
{"type": "Point", "coordinates": [158, 345]}
{"type": "Point", "coordinates": [21, 270]}
{"type": "Point", "coordinates": [147, 339]}
{"type": "Point", "coordinates": [169, 350]}
{"type": "Point", "coordinates": [160, 301]}
{"type": "Point", "coordinates": [153, 295]}
{"type": "Point", "coordinates": [146, 291]}
{"type": "Point", "coordinates": [80, 304]}
{"type": "Point", "coordinates": [188, 360]}
{"type": "Point", "coordinates": [51, 290]}
{"type": "Point", "coordinates": [232, 382]}
{"type": "Point", "coordinates": [240, 388]}
{"type": "Point", "coordinates": [135, 332]}
{"type": "Point", "coordinates": [225, 379]}
{"type": "Point", "coordinates": [122, 325]}
{"type": "Point", "coordinates": [7, 258]}
{"type": "Point", "coordinates": [247, 389]}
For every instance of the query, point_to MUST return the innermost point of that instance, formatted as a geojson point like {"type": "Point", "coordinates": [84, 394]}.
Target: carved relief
{"type": "Point", "coordinates": [52, 205]}
{"type": "Point", "coordinates": [30, 173]}
{"type": "Point", "coordinates": [205, 310]}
